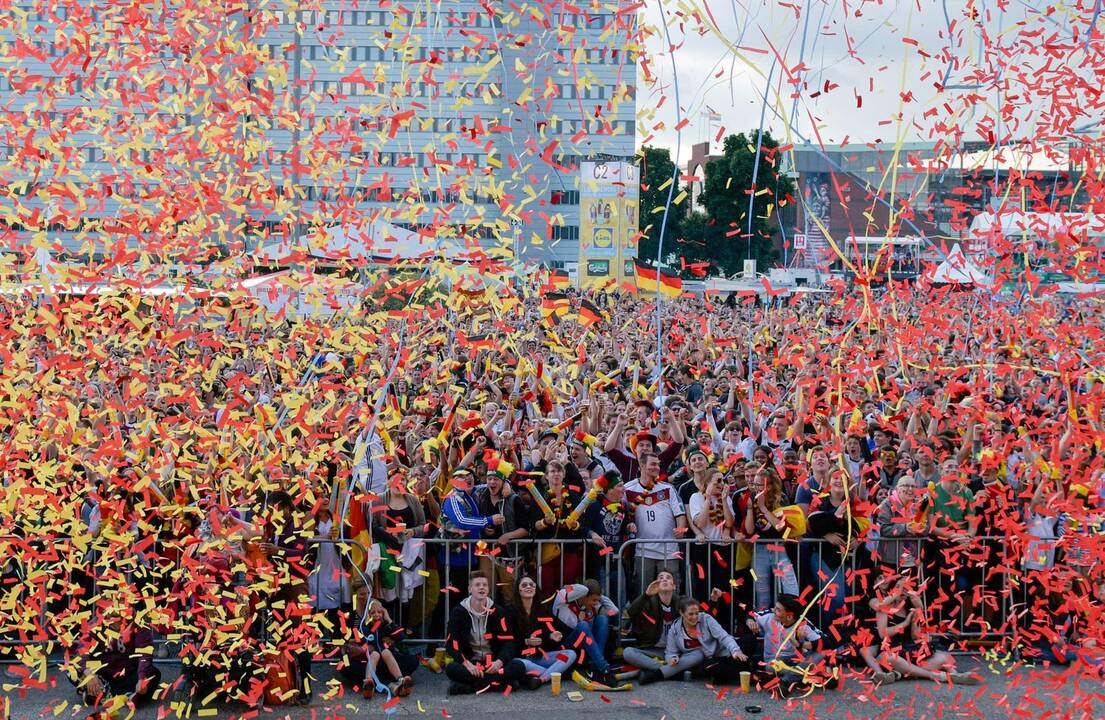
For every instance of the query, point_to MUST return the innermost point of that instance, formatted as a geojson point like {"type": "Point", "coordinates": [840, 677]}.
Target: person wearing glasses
{"type": "Point", "coordinates": [541, 643]}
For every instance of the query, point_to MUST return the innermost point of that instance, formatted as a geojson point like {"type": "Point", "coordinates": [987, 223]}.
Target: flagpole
{"type": "Point", "coordinates": [664, 221]}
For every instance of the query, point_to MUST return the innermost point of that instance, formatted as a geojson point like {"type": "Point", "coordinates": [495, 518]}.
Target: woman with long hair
{"type": "Point", "coordinates": [697, 643]}
{"type": "Point", "coordinates": [899, 647]}
{"type": "Point", "coordinates": [541, 644]}
{"type": "Point", "coordinates": [765, 523]}
{"type": "Point", "coordinates": [713, 523]}
{"type": "Point", "coordinates": [561, 563]}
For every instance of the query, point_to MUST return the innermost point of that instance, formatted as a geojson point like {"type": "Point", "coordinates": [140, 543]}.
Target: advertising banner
{"type": "Point", "coordinates": [609, 201]}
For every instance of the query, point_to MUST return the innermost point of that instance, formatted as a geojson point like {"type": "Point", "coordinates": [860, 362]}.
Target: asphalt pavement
{"type": "Point", "coordinates": [1062, 694]}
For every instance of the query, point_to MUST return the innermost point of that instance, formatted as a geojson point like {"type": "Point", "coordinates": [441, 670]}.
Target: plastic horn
{"type": "Point", "coordinates": [605, 380]}
{"type": "Point", "coordinates": [540, 500]}
{"type": "Point", "coordinates": [562, 426]}
{"type": "Point", "coordinates": [572, 521]}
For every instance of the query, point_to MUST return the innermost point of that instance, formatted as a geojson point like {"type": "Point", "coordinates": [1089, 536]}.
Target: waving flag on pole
{"type": "Point", "coordinates": [648, 277]}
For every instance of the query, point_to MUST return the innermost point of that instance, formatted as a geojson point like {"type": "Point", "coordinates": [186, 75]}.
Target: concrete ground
{"type": "Point", "coordinates": [1004, 693]}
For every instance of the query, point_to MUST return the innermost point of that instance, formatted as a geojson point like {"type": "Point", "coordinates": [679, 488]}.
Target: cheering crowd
{"type": "Point", "coordinates": [793, 493]}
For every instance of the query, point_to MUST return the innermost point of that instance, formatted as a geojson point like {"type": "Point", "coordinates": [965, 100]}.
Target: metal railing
{"type": "Point", "coordinates": [967, 596]}
{"type": "Point", "coordinates": [424, 596]}
{"type": "Point", "coordinates": [974, 592]}
{"type": "Point", "coordinates": [28, 565]}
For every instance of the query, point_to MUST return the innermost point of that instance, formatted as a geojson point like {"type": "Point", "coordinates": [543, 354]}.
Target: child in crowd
{"type": "Point", "coordinates": [587, 615]}
{"type": "Point", "coordinates": [380, 642]}
{"type": "Point", "coordinates": [790, 654]}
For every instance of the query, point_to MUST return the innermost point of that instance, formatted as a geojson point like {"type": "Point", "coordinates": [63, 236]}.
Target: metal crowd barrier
{"type": "Point", "coordinates": [421, 586]}
{"type": "Point", "coordinates": [968, 599]}
{"type": "Point", "coordinates": [27, 566]}
{"type": "Point", "coordinates": [431, 584]}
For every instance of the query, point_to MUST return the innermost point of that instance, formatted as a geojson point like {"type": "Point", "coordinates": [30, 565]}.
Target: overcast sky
{"type": "Point", "coordinates": [888, 42]}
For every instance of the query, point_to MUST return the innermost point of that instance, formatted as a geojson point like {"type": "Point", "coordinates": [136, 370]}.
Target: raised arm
{"type": "Point", "coordinates": [614, 439]}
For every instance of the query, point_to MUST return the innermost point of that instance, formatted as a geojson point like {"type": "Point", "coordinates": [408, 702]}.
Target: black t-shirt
{"type": "Point", "coordinates": [607, 520]}
{"type": "Point", "coordinates": [686, 490]}
{"type": "Point", "coordinates": [822, 521]}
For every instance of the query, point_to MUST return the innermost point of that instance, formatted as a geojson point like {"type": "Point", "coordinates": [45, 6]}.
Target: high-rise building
{"type": "Point", "coordinates": [256, 121]}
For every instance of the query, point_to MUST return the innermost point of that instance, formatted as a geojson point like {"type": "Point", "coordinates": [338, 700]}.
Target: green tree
{"type": "Point", "coordinates": [657, 169]}
{"type": "Point", "coordinates": [725, 193]}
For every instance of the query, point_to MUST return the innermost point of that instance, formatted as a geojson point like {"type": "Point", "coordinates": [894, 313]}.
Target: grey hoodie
{"type": "Point", "coordinates": [711, 635]}
{"type": "Point", "coordinates": [480, 643]}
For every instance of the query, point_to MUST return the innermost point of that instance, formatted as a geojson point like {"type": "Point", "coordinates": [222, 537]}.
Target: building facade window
{"type": "Point", "coordinates": [565, 232]}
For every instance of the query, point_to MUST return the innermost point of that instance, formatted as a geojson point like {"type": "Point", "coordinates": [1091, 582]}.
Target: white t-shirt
{"type": "Point", "coordinates": [655, 511]}
{"type": "Point", "coordinates": [698, 505]}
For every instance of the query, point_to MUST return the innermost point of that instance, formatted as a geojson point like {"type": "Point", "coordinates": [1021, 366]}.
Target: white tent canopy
{"type": "Point", "coordinates": [957, 269]}
{"type": "Point", "coordinates": [378, 240]}
{"type": "Point", "coordinates": [1040, 225]}
{"type": "Point", "coordinates": [299, 295]}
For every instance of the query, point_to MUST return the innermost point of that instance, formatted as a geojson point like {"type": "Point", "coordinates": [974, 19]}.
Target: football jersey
{"type": "Point", "coordinates": [654, 512]}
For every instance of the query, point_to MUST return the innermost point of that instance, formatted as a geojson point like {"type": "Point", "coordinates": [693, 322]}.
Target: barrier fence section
{"type": "Point", "coordinates": [833, 581]}
{"type": "Point", "coordinates": [28, 569]}
{"type": "Point", "coordinates": [431, 576]}
{"type": "Point", "coordinates": [720, 572]}
{"type": "Point", "coordinates": [977, 591]}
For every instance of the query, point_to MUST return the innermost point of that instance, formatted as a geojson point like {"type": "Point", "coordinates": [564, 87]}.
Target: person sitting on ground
{"type": "Point", "coordinates": [790, 646]}
{"type": "Point", "coordinates": [380, 646]}
{"type": "Point", "coordinates": [901, 649]}
{"type": "Point", "coordinates": [481, 643]}
{"type": "Point", "coordinates": [115, 661]}
{"type": "Point", "coordinates": [543, 649]}
{"type": "Point", "coordinates": [587, 614]}
{"type": "Point", "coordinates": [652, 615]}
{"type": "Point", "coordinates": [697, 643]}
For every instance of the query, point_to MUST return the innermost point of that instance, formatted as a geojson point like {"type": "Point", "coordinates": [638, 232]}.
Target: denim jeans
{"type": "Point", "coordinates": [610, 577]}
{"type": "Point", "coordinates": [593, 647]}
{"type": "Point", "coordinates": [767, 557]}
{"type": "Point", "coordinates": [833, 583]}
{"type": "Point", "coordinates": [547, 663]}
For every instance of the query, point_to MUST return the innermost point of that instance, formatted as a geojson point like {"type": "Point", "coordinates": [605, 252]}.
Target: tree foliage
{"type": "Point", "coordinates": [718, 233]}
{"type": "Point", "coordinates": [726, 190]}
{"type": "Point", "coordinates": [657, 168]}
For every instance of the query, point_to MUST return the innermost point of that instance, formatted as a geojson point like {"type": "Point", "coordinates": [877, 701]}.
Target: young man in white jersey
{"type": "Point", "coordinates": [658, 514]}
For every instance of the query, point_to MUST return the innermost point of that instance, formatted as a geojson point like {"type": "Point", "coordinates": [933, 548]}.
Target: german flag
{"type": "Point", "coordinates": [477, 342]}
{"type": "Point", "coordinates": [555, 305]}
{"type": "Point", "coordinates": [589, 313]}
{"type": "Point", "coordinates": [670, 284]}
{"type": "Point", "coordinates": [556, 280]}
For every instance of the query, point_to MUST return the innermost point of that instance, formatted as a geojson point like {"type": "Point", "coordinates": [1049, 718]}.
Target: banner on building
{"type": "Point", "coordinates": [817, 204]}
{"type": "Point", "coordinates": [609, 200]}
